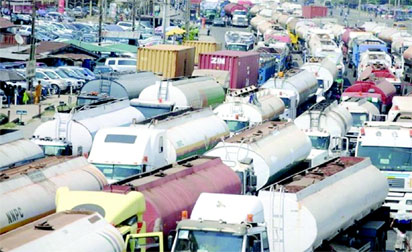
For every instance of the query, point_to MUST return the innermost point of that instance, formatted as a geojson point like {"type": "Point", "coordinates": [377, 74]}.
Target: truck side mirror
{"type": "Point", "coordinates": [170, 240]}
{"type": "Point", "coordinates": [256, 245]}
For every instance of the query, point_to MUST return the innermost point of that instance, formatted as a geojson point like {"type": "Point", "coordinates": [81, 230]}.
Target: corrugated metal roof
{"type": "Point", "coordinates": [4, 23]}
{"type": "Point", "coordinates": [73, 56]}
{"type": "Point", "coordinates": [47, 47]}
{"type": "Point", "coordinates": [169, 47]}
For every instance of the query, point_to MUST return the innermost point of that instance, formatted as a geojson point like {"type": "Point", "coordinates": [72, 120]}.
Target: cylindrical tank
{"type": "Point", "coordinates": [277, 35]}
{"type": "Point", "coordinates": [70, 231]}
{"type": "Point", "coordinates": [173, 189]}
{"type": "Point", "coordinates": [388, 34]}
{"type": "Point", "coordinates": [256, 21]}
{"type": "Point", "coordinates": [230, 8]}
{"type": "Point", "coordinates": [303, 31]}
{"type": "Point", "coordinates": [255, 108]}
{"type": "Point", "coordinates": [292, 24]}
{"type": "Point", "coordinates": [121, 86]}
{"type": "Point", "coordinates": [381, 87]}
{"type": "Point", "coordinates": [274, 148]}
{"type": "Point", "coordinates": [15, 150]}
{"type": "Point", "coordinates": [28, 191]}
{"type": "Point", "coordinates": [197, 92]}
{"type": "Point", "coordinates": [407, 54]}
{"type": "Point", "coordinates": [284, 19]}
{"type": "Point", "coordinates": [264, 26]}
{"type": "Point", "coordinates": [318, 211]}
{"type": "Point", "coordinates": [79, 126]}
{"type": "Point", "coordinates": [325, 71]}
{"type": "Point", "coordinates": [265, 13]}
{"type": "Point", "coordinates": [276, 16]}
{"type": "Point", "coordinates": [255, 9]}
{"type": "Point", "coordinates": [334, 119]}
{"type": "Point", "coordinates": [303, 82]}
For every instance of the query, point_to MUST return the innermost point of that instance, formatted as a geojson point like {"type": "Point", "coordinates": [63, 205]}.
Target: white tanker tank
{"type": "Point", "coordinates": [326, 123]}
{"type": "Point", "coordinates": [65, 232]}
{"type": "Point", "coordinates": [28, 192]}
{"type": "Point", "coordinates": [297, 89]}
{"type": "Point", "coordinates": [325, 71]}
{"type": "Point", "coordinates": [256, 21]}
{"type": "Point", "coordinates": [72, 132]}
{"type": "Point", "coordinates": [248, 107]}
{"type": "Point", "coordinates": [317, 205]}
{"type": "Point", "coordinates": [273, 147]}
{"type": "Point", "coordinates": [125, 151]}
{"type": "Point", "coordinates": [15, 150]}
{"type": "Point", "coordinates": [179, 93]}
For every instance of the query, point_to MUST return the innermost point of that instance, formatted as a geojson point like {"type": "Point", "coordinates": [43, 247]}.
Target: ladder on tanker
{"type": "Point", "coordinates": [277, 221]}
{"type": "Point", "coordinates": [105, 87]}
{"type": "Point", "coordinates": [163, 90]}
{"type": "Point", "coordinates": [318, 107]}
{"type": "Point", "coordinates": [63, 125]}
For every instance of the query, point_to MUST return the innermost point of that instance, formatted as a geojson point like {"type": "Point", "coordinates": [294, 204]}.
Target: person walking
{"type": "Point", "coordinates": [38, 93]}
{"type": "Point", "coordinates": [26, 97]}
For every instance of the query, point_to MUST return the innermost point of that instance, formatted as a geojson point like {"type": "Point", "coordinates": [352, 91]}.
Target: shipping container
{"type": "Point", "coordinates": [202, 47]}
{"type": "Point", "coordinates": [313, 11]}
{"type": "Point", "coordinates": [169, 61]}
{"type": "Point", "coordinates": [242, 66]}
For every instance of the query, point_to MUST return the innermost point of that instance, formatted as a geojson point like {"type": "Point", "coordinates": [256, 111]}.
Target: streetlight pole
{"type": "Point", "coordinates": [164, 20]}
{"type": "Point", "coordinates": [154, 18]}
{"type": "Point", "coordinates": [100, 21]}
{"type": "Point", "coordinates": [32, 44]}
{"type": "Point", "coordinates": [187, 18]}
{"type": "Point", "coordinates": [134, 15]}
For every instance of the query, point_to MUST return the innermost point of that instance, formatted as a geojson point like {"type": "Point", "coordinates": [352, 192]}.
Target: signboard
{"type": "Point", "coordinates": [21, 112]}
{"type": "Point", "coordinates": [31, 69]}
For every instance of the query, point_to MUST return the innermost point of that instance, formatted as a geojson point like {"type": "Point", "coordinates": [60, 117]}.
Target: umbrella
{"type": "Point", "coordinates": [10, 75]}
{"type": "Point", "coordinates": [175, 31]}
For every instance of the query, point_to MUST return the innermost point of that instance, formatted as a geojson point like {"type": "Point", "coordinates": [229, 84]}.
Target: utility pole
{"type": "Point", "coordinates": [134, 15]}
{"type": "Point", "coordinates": [359, 5]}
{"type": "Point", "coordinates": [164, 20]}
{"type": "Point", "coordinates": [154, 18]}
{"type": "Point", "coordinates": [31, 66]}
{"type": "Point", "coordinates": [187, 12]}
{"type": "Point", "coordinates": [100, 20]}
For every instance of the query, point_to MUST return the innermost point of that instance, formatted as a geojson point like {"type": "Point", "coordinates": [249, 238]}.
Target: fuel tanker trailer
{"type": "Point", "coordinates": [327, 206]}
{"type": "Point", "coordinates": [125, 151]}
{"type": "Point", "coordinates": [65, 231]}
{"type": "Point", "coordinates": [273, 149]}
{"type": "Point", "coordinates": [326, 73]}
{"type": "Point", "coordinates": [248, 107]}
{"type": "Point", "coordinates": [27, 192]}
{"type": "Point", "coordinates": [15, 150]}
{"type": "Point", "coordinates": [297, 88]}
{"type": "Point", "coordinates": [71, 132]}
{"type": "Point", "coordinates": [179, 93]}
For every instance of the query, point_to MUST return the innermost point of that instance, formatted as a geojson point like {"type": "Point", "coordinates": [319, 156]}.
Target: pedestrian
{"type": "Point", "coordinates": [21, 93]}
{"type": "Point", "coordinates": [16, 95]}
{"type": "Point", "coordinates": [38, 93]}
{"type": "Point", "coordinates": [7, 92]}
{"type": "Point", "coordinates": [402, 241]}
{"type": "Point", "coordinates": [26, 97]}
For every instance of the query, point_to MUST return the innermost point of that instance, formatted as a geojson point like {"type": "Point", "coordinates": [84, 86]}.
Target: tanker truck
{"type": "Point", "coordinates": [65, 231]}
{"type": "Point", "coordinates": [162, 194]}
{"type": "Point", "coordinates": [326, 123]}
{"type": "Point", "coordinates": [118, 86]}
{"type": "Point", "coordinates": [247, 107]}
{"type": "Point", "coordinates": [274, 149]}
{"type": "Point", "coordinates": [15, 150]}
{"type": "Point", "coordinates": [71, 132]}
{"type": "Point", "coordinates": [326, 73]}
{"type": "Point", "coordinates": [361, 111]}
{"type": "Point", "coordinates": [375, 59]}
{"type": "Point", "coordinates": [297, 89]}
{"type": "Point", "coordinates": [307, 205]}
{"type": "Point", "coordinates": [179, 93]}
{"type": "Point", "coordinates": [27, 192]}
{"type": "Point", "coordinates": [125, 151]}
{"type": "Point", "coordinates": [389, 146]}
{"type": "Point", "coordinates": [401, 109]}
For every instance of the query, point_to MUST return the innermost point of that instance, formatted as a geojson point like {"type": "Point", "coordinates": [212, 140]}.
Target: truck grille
{"type": "Point", "coordinates": [396, 182]}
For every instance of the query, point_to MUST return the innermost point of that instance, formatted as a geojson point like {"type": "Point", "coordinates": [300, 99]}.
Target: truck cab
{"type": "Point", "coordinates": [223, 222]}
{"type": "Point", "coordinates": [289, 98]}
{"type": "Point", "coordinates": [389, 146]}
{"type": "Point", "coordinates": [239, 18]}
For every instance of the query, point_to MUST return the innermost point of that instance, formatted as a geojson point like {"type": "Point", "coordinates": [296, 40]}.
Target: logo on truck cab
{"type": "Point", "coordinates": [220, 61]}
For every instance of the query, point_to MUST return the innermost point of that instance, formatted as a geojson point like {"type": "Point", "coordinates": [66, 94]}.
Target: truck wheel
{"type": "Point", "coordinates": [55, 89]}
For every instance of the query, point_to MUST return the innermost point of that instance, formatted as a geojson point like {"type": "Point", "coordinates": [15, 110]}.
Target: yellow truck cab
{"type": "Point", "coordinates": [124, 211]}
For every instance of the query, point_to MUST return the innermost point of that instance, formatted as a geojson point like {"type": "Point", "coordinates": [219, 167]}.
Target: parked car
{"type": "Point", "coordinates": [103, 70]}
{"type": "Point", "coordinates": [219, 22]}
{"type": "Point", "coordinates": [82, 72]}
{"type": "Point", "coordinates": [21, 18]}
{"type": "Point", "coordinates": [78, 83]}
{"type": "Point", "coordinates": [57, 85]}
{"type": "Point", "coordinates": [121, 64]}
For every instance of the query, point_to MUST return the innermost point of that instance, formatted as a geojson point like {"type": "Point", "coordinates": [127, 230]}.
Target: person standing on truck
{"type": "Point", "coordinates": [402, 240]}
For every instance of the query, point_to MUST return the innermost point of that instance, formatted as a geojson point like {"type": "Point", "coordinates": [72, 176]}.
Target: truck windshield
{"type": "Point", "coordinates": [56, 150]}
{"type": "Point", "coordinates": [319, 143]}
{"type": "Point", "coordinates": [242, 48]}
{"type": "Point", "coordinates": [118, 171]}
{"type": "Point", "coordinates": [235, 126]}
{"type": "Point", "coordinates": [387, 158]}
{"type": "Point", "coordinates": [359, 119]}
{"type": "Point", "coordinates": [202, 241]}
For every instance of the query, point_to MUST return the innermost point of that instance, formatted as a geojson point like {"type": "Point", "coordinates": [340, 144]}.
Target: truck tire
{"type": "Point", "coordinates": [55, 89]}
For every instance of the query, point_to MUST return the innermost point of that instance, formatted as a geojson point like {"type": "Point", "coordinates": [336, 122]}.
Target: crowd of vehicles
{"type": "Point", "coordinates": [192, 148]}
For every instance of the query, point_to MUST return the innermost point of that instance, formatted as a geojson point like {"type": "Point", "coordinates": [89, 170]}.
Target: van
{"type": "Point", "coordinates": [121, 64]}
